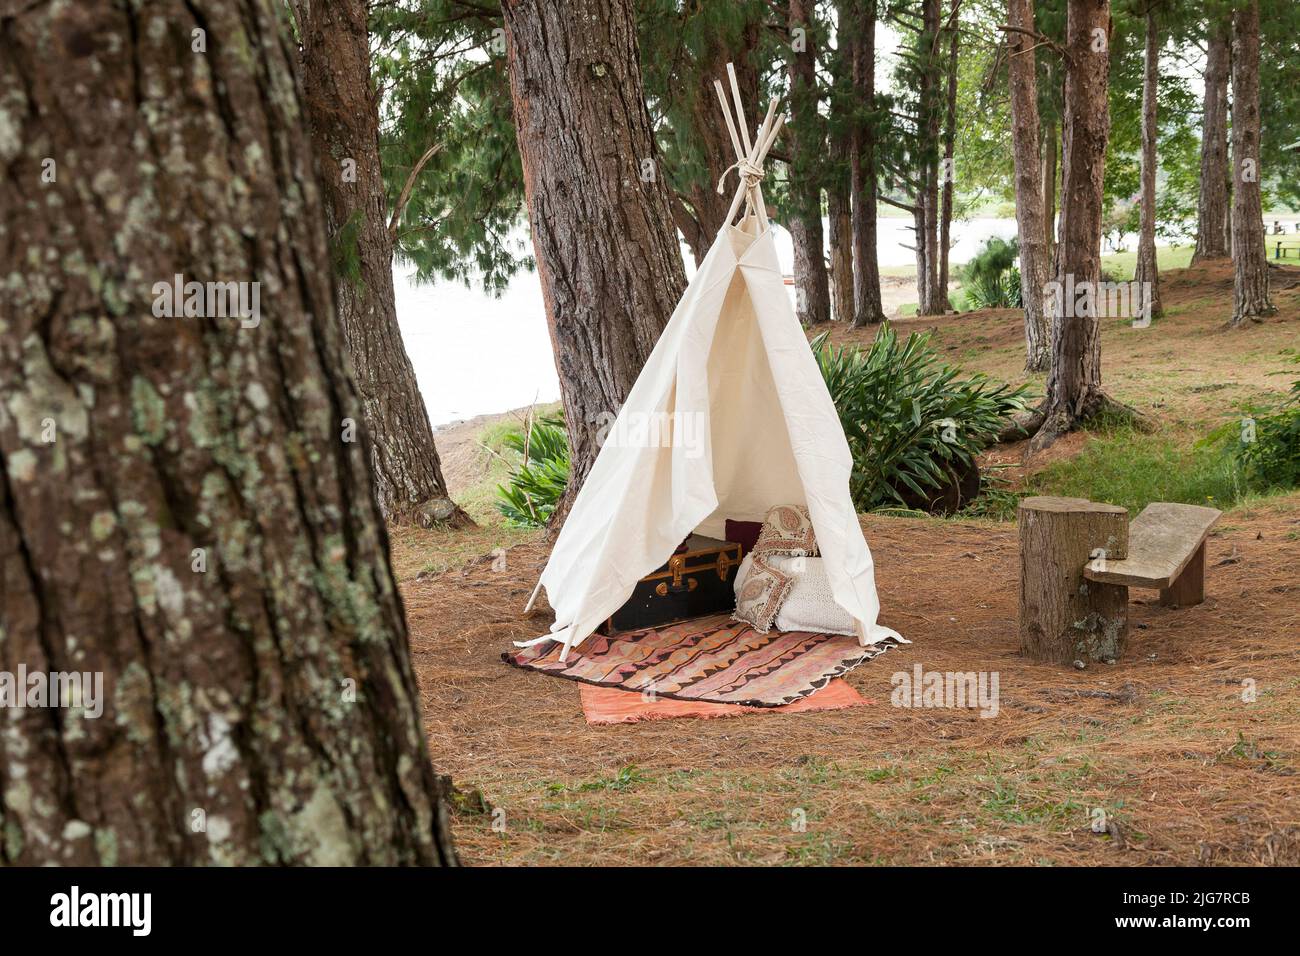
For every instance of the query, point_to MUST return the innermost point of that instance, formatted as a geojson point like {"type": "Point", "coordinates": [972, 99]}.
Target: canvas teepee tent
{"type": "Point", "coordinates": [729, 417]}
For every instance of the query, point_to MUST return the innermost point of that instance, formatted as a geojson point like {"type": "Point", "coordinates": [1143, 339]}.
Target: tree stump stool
{"type": "Point", "coordinates": [1065, 618]}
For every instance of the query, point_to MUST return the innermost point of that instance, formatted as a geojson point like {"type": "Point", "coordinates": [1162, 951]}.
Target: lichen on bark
{"type": "Point", "coordinates": [225, 735]}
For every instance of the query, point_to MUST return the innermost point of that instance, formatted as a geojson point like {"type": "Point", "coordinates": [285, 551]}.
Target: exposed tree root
{"type": "Point", "coordinates": [439, 512]}
{"type": "Point", "coordinates": [1024, 424]}
{"type": "Point", "coordinates": [1061, 421]}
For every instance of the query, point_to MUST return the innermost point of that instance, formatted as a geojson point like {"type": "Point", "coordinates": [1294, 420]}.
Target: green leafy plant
{"type": "Point", "coordinates": [1265, 445]}
{"type": "Point", "coordinates": [909, 418]}
{"type": "Point", "coordinates": [991, 280]}
{"type": "Point", "coordinates": [538, 483]}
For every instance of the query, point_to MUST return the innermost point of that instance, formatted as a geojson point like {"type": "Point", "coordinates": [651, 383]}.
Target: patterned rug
{"type": "Point", "coordinates": [612, 705]}
{"type": "Point", "coordinates": [706, 659]}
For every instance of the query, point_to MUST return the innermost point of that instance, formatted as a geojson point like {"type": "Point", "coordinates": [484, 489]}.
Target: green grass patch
{"type": "Point", "coordinates": [625, 779]}
{"type": "Point", "coordinates": [1122, 265]}
{"type": "Point", "coordinates": [1132, 468]}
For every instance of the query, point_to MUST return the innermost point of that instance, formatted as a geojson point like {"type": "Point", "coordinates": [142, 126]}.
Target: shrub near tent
{"type": "Point", "coordinates": [1266, 445]}
{"type": "Point", "coordinates": [914, 427]}
{"type": "Point", "coordinates": [538, 482]}
{"type": "Point", "coordinates": [991, 279]}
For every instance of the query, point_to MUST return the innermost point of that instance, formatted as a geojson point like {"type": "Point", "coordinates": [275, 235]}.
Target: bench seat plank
{"type": "Point", "coordinates": [1162, 540]}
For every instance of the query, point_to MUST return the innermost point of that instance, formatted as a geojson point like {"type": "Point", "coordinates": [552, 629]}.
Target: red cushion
{"type": "Point", "coordinates": [744, 533]}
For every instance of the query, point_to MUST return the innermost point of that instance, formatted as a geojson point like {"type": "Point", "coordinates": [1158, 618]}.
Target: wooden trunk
{"type": "Point", "coordinates": [1251, 298]}
{"type": "Point", "coordinates": [1212, 220]}
{"type": "Point", "coordinates": [1147, 273]}
{"type": "Point", "coordinates": [693, 583]}
{"type": "Point", "coordinates": [198, 536]}
{"type": "Point", "coordinates": [947, 178]}
{"type": "Point", "coordinates": [607, 254]}
{"type": "Point", "coordinates": [1063, 617]}
{"type": "Point", "coordinates": [858, 20]}
{"type": "Point", "coordinates": [1030, 218]}
{"type": "Point", "coordinates": [807, 152]}
{"type": "Point", "coordinates": [343, 117]}
{"type": "Point", "coordinates": [839, 207]}
{"type": "Point", "coordinates": [1074, 382]}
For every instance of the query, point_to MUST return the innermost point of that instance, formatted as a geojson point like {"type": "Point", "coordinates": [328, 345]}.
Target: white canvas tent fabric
{"type": "Point", "coordinates": [729, 417]}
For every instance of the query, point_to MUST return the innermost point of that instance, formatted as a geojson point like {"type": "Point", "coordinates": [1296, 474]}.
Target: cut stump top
{"type": "Point", "coordinates": [1069, 505]}
{"type": "Point", "coordinates": [1161, 542]}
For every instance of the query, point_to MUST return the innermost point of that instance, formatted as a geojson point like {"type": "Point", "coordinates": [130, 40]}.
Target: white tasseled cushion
{"type": "Point", "coordinates": [809, 606]}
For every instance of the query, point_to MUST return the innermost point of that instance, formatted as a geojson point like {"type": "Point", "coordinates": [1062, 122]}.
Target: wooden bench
{"type": "Point", "coordinates": [1078, 558]}
{"type": "Point", "coordinates": [1166, 550]}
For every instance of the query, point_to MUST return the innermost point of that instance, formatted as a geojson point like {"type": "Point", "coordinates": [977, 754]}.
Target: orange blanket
{"type": "Point", "coordinates": [612, 705]}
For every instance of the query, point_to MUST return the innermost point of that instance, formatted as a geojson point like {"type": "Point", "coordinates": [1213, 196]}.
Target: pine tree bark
{"type": "Point", "coordinates": [603, 235]}
{"type": "Point", "coordinates": [1074, 390]}
{"type": "Point", "coordinates": [1213, 223]}
{"type": "Point", "coordinates": [949, 170]}
{"type": "Point", "coordinates": [1023, 84]}
{"type": "Point", "coordinates": [1147, 273]}
{"type": "Point", "coordinates": [857, 19]}
{"type": "Point", "coordinates": [807, 147]}
{"type": "Point", "coordinates": [839, 183]}
{"type": "Point", "coordinates": [925, 218]}
{"type": "Point", "coordinates": [1250, 296]}
{"type": "Point", "coordinates": [343, 114]}
{"type": "Point", "coordinates": [839, 207]}
{"type": "Point", "coordinates": [180, 510]}
{"type": "Point", "coordinates": [1051, 150]}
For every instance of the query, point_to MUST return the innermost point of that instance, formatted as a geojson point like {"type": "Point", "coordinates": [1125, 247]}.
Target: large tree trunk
{"type": "Point", "coordinates": [807, 148]}
{"type": "Point", "coordinates": [1051, 151]}
{"type": "Point", "coordinates": [921, 220]}
{"type": "Point", "coordinates": [1147, 273]}
{"type": "Point", "coordinates": [343, 114]}
{"type": "Point", "coordinates": [606, 248]}
{"type": "Point", "coordinates": [1212, 219]}
{"type": "Point", "coordinates": [1074, 384]}
{"type": "Point", "coordinates": [839, 191]}
{"type": "Point", "coordinates": [839, 206]}
{"type": "Point", "coordinates": [857, 21]}
{"type": "Point", "coordinates": [1023, 83]}
{"type": "Point", "coordinates": [926, 216]}
{"type": "Point", "coordinates": [1250, 298]}
{"type": "Point", "coordinates": [949, 172]}
{"type": "Point", "coordinates": [181, 508]}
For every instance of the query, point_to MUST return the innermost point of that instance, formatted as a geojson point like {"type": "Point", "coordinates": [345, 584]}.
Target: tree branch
{"type": "Point", "coordinates": [897, 204]}
{"type": "Point", "coordinates": [1043, 40]}
{"type": "Point", "coordinates": [405, 195]}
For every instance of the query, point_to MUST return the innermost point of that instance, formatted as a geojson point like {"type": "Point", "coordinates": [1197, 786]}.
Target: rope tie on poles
{"type": "Point", "coordinates": [751, 174]}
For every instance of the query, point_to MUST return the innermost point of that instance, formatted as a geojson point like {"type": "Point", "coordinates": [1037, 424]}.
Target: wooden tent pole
{"type": "Point", "coordinates": [726, 111]}
{"type": "Point", "coordinates": [740, 109]}
{"type": "Point", "coordinates": [735, 139]}
{"type": "Point", "coordinates": [750, 153]}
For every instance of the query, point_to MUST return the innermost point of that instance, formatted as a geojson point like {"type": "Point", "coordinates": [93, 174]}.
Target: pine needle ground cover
{"type": "Point", "coordinates": [1186, 748]}
{"type": "Point", "coordinates": [1163, 743]}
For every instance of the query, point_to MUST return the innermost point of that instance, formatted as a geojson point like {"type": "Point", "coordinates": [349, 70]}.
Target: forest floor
{"type": "Point", "coordinates": [1189, 744]}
